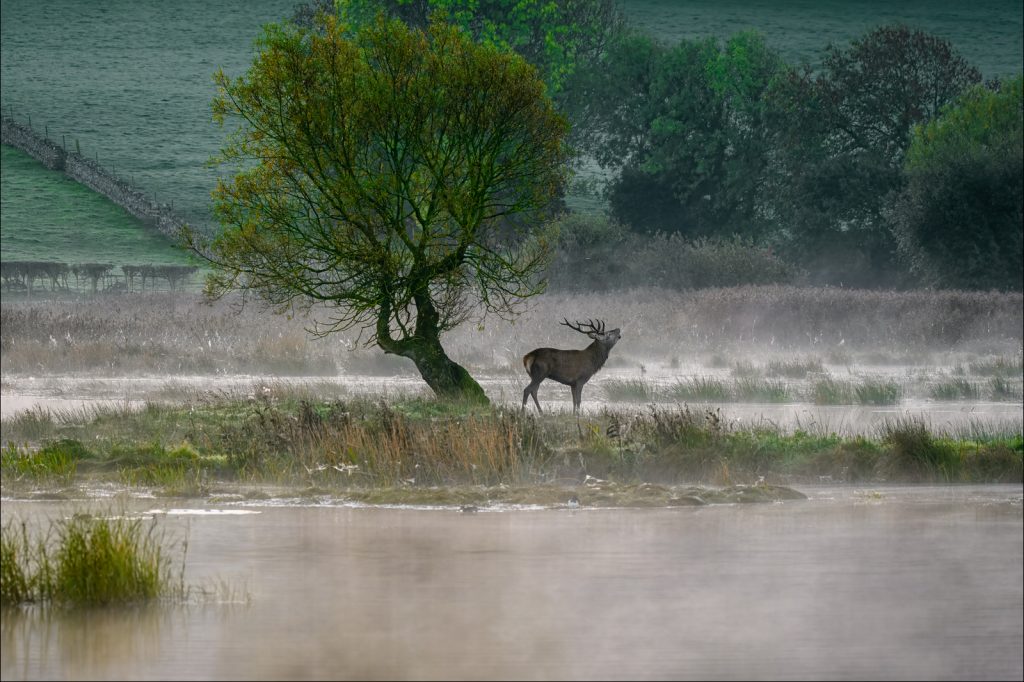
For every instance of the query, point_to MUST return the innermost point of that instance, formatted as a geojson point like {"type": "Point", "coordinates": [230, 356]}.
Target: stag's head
{"type": "Point", "coordinates": [596, 331]}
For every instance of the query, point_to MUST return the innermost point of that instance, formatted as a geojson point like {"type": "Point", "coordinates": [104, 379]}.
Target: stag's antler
{"type": "Point", "coordinates": [591, 327]}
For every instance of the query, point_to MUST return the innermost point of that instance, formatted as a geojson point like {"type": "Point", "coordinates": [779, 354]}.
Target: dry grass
{"type": "Point", "coordinates": [178, 333]}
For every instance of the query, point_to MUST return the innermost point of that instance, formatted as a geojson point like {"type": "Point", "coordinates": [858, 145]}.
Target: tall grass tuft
{"type": "Point", "coordinates": [954, 389]}
{"type": "Point", "coordinates": [629, 390]}
{"type": "Point", "coordinates": [55, 462]}
{"type": "Point", "coordinates": [877, 392]}
{"type": "Point", "coordinates": [87, 561]}
{"type": "Point", "coordinates": [698, 389]}
{"type": "Point", "coordinates": [794, 369]}
{"type": "Point", "coordinates": [761, 391]}
{"type": "Point", "coordinates": [829, 391]}
{"type": "Point", "coordinates": [1001, 366]}
{"type": "Point", "coordinates": [1001, 389]}
{"type": "Point", "coordinates": [913, 450]}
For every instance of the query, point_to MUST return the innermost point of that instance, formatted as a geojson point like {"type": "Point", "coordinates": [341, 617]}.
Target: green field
{"type": "Point", "coordinates": [50, 217]}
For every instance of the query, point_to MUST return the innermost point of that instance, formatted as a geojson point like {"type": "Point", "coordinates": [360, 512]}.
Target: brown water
{"type": "Point", "coordinates": [915, 582]}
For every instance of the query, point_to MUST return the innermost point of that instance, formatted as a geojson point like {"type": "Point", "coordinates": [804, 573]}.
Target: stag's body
{"type": "Point", "coordinates": [570, 367]}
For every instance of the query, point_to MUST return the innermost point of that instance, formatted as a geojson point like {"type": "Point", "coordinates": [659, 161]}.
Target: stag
{"type": "Point", "coordinates": [570, 367]}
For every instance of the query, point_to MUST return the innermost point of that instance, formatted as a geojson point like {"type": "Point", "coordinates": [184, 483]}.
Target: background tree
{"type": "Point", "coordinates": [683, 129]}
{"type": "Point", "coordinates": [841, 145]}
{"type": "Point", "coordinates": [554, 35]}
{"type": "Point", "coordinates": [374, 166]}
{"type": "Point", "coordinates": [960, 219]}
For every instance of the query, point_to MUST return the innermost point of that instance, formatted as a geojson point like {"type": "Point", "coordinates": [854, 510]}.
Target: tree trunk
{"type": "Point", "coordinates": [448, 379]}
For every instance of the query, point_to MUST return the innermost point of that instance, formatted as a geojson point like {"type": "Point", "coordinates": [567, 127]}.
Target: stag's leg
{"type": "Point", "coordinates": [577, 397]}
{"type": "Point", "coordinates": [532, 390]}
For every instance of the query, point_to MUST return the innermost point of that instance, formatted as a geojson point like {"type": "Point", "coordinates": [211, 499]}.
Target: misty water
{"type": "Point", "coordinates": [855, 583]}
{"type": "Point", "coordinates": [75, 399]}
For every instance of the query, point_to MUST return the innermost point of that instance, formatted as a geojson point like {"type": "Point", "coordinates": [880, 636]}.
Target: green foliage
{"type": "Point", "coordinates": [960, 219]}
{"type": "Point", "coordinates": [596, 253]}
{"type": "Point", "coordinates": [841, 137]}
{"type": "Point", "coordinates": [685, 127]}
{"type": "Point", "coordinates": [913, 450]}
{"type": "Point", "coordinates": [394, 174]}
{"type": "Point", "coordinates": [794, 369]}
{"type": "Point", "coordinates": [635, 390]}
{"type": "Point", "coordinates": [555, 36]}
{"type": "Point", "coordinates": [16, 579]}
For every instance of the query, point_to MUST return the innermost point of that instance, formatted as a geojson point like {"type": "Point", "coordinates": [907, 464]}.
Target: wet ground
{"type": "Point", "coordinates": [70, 394]}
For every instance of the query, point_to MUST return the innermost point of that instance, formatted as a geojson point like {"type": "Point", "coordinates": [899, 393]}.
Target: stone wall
{"type": "Point", "coordinates": [92, 175]}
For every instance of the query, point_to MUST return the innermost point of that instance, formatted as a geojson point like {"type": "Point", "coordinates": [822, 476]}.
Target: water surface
{"type": "Point", "coordinates": [854, 583]}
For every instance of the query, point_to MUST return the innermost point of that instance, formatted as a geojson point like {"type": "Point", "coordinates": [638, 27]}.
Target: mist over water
{"type": "Point", "coordinates": [890, 582]}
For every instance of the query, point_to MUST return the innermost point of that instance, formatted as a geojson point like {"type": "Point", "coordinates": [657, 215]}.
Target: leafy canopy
{"type": "Point", "coordinates": [960, 220]}
{"type": "Point", "coordinates": [374, 169]}
{"type": "Point", "coordinates": [553, 35]}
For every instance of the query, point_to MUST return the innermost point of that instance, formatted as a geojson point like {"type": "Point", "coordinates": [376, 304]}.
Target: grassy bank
{"type": "Point", "coordinates": [367, 446]}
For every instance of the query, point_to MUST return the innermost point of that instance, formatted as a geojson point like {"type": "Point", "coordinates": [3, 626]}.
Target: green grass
{"type": "Point", "coordinates": [698, 389]}
{"type": "Point", "coordinates": [877, 392]}
{"type": "Point", "coordinates": [1002, 366]}
{"type": "Point", "coordinates": [794, 369]}
{"type": "Point", "coordinates": [954, 389]}
{"type": "Point", "coordinates": [86, 561]}
{"type": "Point", "coordinates": [629, 390]}
{"type": "Point", "coordinates": [761, 391]}
{"type": "Point", "coordinates": [55, 462]}
{"type": "Point", "coordinates": [364, 444]}
{"type": "Point", "coordinates": [829, 391]}
{"type": "Point", "coordinates": [1001, 389]}
{"type": "Point", "coordinates": [49, 217]}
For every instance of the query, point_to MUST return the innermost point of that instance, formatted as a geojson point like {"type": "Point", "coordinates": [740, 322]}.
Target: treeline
{"type": "Point", "coordinates": [891, 163]}
{"type": "Point", "coordinates": [28, 275]}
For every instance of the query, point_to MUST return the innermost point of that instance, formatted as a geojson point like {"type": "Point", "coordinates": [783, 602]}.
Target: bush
{"type": "Point", "coordinates": [594, 253]}
{"type": "Point", "coordinates": [959, 220]}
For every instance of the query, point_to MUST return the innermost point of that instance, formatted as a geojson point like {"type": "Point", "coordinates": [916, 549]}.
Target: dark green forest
{"type": "Point", "coordinates": [893, 164]}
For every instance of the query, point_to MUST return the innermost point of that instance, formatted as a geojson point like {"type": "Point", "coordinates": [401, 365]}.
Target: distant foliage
{"type": "Point", "coordinates": [25, 275]}
{"type": "Point", "coordinates": [595, 253]}
{"type": "Point", "coordinates": [685, 128]}
{"type": "Point", "coordinates": [842, 137]}
{"type": "Point", "coordinates": [554, 36]}
{"type": "Point", "coordinates": [960, 219]}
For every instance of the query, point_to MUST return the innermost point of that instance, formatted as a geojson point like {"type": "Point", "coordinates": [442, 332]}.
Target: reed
{"type": "Point", "coordinates": [698, 389]}
{"type": "Point", "coordinates": [956, 388]}
{"type": "Point", "coordinates": [761, 391]}
{"type": "Point", "coordinates": [87, 561]}
{"type": "Point", "coordinates": [629, 390]}
{"type": "Point", "coordinates": [877, 392]}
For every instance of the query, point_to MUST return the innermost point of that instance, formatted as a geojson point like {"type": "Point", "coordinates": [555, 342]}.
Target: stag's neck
{"type": "Point", "coordinates": [599, 352]}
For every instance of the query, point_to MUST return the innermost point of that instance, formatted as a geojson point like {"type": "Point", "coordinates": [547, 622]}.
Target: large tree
{"type": "Point", "coordinates": [960, 219]}
{"type": "Point", "coordinates": [842, 137]}
{"type": "Point", "coordinates": [374, 167]}
{"type": "Point", "coordinates": [683, 129]}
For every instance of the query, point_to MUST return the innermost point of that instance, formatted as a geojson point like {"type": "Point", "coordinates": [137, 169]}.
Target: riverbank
{"type": "Point", "coordinates": [419, 451]}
